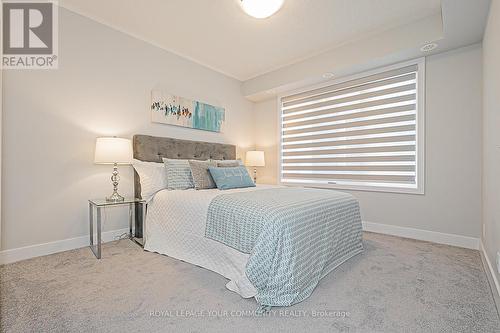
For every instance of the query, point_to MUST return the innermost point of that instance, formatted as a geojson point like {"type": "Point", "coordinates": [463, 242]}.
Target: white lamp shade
{"type": "Point", "coordinates": [255, 158]}
{"type": "Point", "coordinates": [113, 150]}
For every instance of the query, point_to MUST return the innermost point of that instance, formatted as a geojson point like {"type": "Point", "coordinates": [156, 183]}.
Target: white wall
{"type": "Point", "coordinates": [102, 87]}
{"type": "Point", "coordinates": [1, 113]}
{"type": "Point", "coordinates": [266, 139]}
{"type": "Point", "coordinates": [491, 135]}
{"type": "Point", "coordinates": [452, 200]}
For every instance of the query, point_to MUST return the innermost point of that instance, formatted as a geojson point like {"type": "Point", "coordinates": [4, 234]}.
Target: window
{"type": "Point", "coordinates": [362, 133]}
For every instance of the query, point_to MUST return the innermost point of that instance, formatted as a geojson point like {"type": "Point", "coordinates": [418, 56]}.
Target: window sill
{"type": "Point", "coordinates": [415, 191]}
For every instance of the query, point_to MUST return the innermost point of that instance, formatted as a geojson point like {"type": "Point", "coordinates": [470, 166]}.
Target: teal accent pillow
{"type": "Point", "coordinates": [228, 178]}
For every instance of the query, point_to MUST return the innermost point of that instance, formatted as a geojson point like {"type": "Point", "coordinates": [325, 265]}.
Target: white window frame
{"type": "Point", "coordinates": [420, 130]}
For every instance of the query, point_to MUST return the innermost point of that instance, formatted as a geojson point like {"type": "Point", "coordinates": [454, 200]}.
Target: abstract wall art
{"type": "Point", "coordinates": [179, 111]}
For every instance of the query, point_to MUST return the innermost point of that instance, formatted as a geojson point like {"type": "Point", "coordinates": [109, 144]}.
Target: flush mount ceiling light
{"type": "Point", "coordinates": [327, 75]}
{"type": "Point", "coordinates": [261, 8]}
{"type": "Point", "coordinates": [428, 47]}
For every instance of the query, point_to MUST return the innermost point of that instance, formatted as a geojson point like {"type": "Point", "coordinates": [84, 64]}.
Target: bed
{"type": "Point", "coordinates": [273, 243]}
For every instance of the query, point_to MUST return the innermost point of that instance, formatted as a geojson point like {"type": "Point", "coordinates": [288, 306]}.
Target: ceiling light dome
{"type": "Point", "coordinates": [261, 8]}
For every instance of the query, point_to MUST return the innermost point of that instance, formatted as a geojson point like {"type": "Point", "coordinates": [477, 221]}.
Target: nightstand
{"type": "Point", "coordinates": [97, 205]}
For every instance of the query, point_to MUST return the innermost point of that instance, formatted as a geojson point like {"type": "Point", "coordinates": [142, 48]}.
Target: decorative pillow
{"type": "Point", "coordinates": [228, 163]}
{"type": "Point", "coordinates": [153, 177]}
{"type": "Point", "coordinates": [228, 178]}
{"type": "Point", "coordinates": [178, 174]}
{"type": "Point", "coordinates": [201, 177]}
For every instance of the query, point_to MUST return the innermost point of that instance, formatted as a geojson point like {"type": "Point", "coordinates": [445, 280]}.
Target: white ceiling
{"type": "Point", "coordinates": [460, 23]}
{"type": "Point", "coordinates": [219, 35]}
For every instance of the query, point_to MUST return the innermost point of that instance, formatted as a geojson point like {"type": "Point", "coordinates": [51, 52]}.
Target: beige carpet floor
{"type": "Point", "coordinates": [396, 285]}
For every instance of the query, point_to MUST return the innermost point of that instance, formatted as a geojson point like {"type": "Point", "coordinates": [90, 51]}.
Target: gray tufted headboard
{"type": "Point", "coordinates": [153, 149]}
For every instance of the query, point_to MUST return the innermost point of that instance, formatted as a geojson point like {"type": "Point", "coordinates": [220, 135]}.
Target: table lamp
{"type": "Point", "coordinates": [255, 158]}
{"type": "Point", "coordinates": [113, 150]}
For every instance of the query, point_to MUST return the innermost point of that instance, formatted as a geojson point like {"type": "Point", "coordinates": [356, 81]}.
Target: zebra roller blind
{"type": "Point", "coordinates": [356, 134]}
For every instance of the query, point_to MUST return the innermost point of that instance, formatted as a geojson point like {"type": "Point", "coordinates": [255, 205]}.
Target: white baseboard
{"type": "Point", "coordinates": [21, 253]}
{"type": "Point", "coordinates": [491, 272]}
{"type": "Point", "coordinates": [424, 235]}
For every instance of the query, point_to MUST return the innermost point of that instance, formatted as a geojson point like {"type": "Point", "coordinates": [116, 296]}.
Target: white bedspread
{"type": "Point", "coordinates": [175, 226]}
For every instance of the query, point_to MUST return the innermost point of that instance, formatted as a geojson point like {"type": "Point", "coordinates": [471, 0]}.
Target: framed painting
{"type": "Point", "coordinates": [179, 111]}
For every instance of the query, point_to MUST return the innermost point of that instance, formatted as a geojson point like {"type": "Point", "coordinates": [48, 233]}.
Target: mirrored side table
{"type": "Point", "coordinates": [96, 205]}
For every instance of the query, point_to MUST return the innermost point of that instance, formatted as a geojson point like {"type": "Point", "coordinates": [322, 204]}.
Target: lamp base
{"type": "Point", "coordinates": [115, 178]}
{"type": "Point", "coordinates": [115, 197]}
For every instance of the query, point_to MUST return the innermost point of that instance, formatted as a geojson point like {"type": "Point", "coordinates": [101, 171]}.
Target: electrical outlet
{"type": "Point", "coordinates": [498, 262]}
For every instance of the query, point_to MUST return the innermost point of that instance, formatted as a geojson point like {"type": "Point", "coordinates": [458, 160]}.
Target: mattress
{"type": "Point", "coordinates": [175, 226]}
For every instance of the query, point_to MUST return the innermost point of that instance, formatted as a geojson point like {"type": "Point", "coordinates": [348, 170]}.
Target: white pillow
{"type": "Point", "coordinates": [153, 177]}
